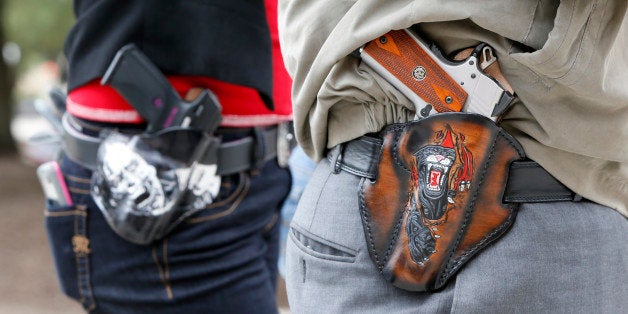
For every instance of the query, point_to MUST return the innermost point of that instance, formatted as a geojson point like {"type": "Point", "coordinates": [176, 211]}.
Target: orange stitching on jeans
{"type": "Point", "coordinates": [64, 213]}
{"type": "Point", "coordinates": [78, 179]}
{"type": "Point", "coordinates": [271, 223]}
{"type": "Point", "coordinates": [235, 204]}
{"type": "Point", "coordinates": [167, 272]}
{"type": "Point", "coordinates": [78, 262]}
{"type": "Point", "coordinates": [79, 191]}
{"type": "Point", "coordinates": [242, 179]}
{"type": "Point", "coordinates": [83, 210]}
{"type": "Point", "coordinates": [162, 275]}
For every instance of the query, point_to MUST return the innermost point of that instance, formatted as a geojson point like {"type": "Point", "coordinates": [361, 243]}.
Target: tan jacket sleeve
{"type": "Point", "coordinates": [566, 61]}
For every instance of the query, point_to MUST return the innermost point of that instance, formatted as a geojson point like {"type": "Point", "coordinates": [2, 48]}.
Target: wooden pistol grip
{"type": "Point", "coordinates": [401, 55]}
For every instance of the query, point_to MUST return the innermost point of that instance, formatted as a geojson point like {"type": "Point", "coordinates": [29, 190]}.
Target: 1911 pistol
{"type": "Point", "coordinates": [433, 82]}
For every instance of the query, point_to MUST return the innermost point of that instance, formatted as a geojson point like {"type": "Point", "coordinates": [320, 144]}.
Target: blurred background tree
{"type": "Point", "coordinates": [31, 32]}
{"type": "Point", "coordinates": [7, 79]}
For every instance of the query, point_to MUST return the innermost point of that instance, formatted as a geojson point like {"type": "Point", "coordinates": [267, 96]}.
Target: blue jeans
{"type": "Point", "coordinates": [221, 260]}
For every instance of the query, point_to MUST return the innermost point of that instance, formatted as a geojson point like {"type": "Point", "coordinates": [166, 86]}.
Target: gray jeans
{"type": "Point", "coordinates": [567, 257]}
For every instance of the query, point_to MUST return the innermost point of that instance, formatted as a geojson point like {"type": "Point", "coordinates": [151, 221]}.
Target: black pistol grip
{"type": "Point", "coordinates": [143, 85]}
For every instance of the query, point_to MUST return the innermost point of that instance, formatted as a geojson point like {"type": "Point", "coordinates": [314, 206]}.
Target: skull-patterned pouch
{"type": "Point", "coordinates": [143, 188]}
{"type": "Point", "coordinates": [437, 198]}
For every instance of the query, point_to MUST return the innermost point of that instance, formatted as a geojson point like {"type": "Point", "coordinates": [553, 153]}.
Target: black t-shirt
{"type": "Point", "coordinates": [225, 40]}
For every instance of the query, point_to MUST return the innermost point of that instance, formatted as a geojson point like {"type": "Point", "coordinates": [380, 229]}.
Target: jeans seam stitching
{"type": "Point", "coordinates": [162, 274]}
{"type": "Point", "coordinates": [82, 264]}
{"type": "Point", "coordinates": [73, 212]}
{"type": "Point", "coordinates": [233, 195]}
{"type": "Point", "coordinates": [78, 179]}
{"type": "Point", "coordinates": [241, 196]}
{"type": "Point", "coordinates": [79, 191]}
{"type": "Point", "coordinates": [318, 198]}
{"type": "Point", "coordinates": [273, 222]}
{"type": "Point", "coordinates": [167, 270]}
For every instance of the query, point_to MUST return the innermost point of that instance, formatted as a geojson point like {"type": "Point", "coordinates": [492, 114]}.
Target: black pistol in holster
{"type": "Point", "coordinates": [143, 85]}
{"type": "Point", "coordinates": [146, 184]}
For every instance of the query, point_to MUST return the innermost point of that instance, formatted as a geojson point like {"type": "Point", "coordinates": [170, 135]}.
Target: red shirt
{"type": "Point", "coordinates": [241, 106]}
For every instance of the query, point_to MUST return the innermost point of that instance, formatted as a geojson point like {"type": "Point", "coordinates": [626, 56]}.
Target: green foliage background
{"type": "Point", "coordinates": [38, 27]}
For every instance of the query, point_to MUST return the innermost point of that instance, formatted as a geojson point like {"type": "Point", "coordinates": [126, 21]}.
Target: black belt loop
{"type": "Point", "coordinates": [528, 182]}
{"type": "Point", "coordinates": [336, 157]}
{"type": "Point", "coordinates": [259, 149]}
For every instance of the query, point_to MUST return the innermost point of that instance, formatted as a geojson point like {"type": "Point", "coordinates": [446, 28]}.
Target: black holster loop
{"type": "Point", "coordinates": [259, 149]}
{"type": "Point", "coordinates": [336, 157]}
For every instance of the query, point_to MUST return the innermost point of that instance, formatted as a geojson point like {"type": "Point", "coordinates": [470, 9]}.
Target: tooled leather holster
{"type": "Point", "coordinates": [437, 198]}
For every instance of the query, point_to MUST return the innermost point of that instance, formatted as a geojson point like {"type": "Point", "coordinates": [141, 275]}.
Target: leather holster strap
{"type": "Point", "coordinates": [528, 182]}
{"type": "Point", "coordinates": [231, 157]}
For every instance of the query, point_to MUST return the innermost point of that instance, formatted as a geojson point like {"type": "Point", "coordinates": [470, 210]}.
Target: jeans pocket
{"type": "Point", "coordinates": [320, 248]}
{"type": "Point", "coordinates": [65, 226]}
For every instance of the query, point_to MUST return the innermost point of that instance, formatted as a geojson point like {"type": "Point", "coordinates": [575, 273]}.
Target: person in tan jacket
{"type": "Point", "coordinates": [566, 61]}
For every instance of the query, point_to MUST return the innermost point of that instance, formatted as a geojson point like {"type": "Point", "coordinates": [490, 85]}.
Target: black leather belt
{"type": "Point", "coordinates": [231, 157]}
{"type": "Point", "coordinates": [528, 182]}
